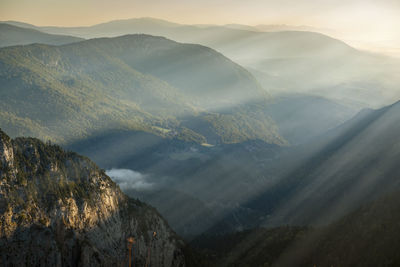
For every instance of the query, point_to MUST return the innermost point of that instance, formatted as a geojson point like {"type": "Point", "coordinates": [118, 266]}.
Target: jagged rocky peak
{"type": "Point", "coordinates": [59, 209]}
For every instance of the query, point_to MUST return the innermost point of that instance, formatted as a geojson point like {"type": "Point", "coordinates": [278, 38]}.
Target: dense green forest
{"type": "Point", "coordinates": [136, 82]}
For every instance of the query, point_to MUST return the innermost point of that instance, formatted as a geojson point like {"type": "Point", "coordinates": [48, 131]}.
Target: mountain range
{"type": "Point", "coordinates": [286, 64]}
{"type": "Point", "coordinates": [11, 35]}
{"type": "Point", "coordinates": [136, 82]}
{"type": "Point", "coordinates": [164, 112]}
{"type": "Point", "coordinates": [261, 148]}
{"type": "Point", "coordinates": [300, 61]}
{"type": "Point", "coordinates": [291, 62]}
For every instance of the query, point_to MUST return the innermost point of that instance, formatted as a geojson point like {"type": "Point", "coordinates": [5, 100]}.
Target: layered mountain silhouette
{"type": "Point", "coordinates": [273, 161]}
{"type": "Point", "coordinates": [12, 35]}
{"type": "Point", "coordinates": [290, 60]}
{"type": "Point", "coordinates": [282, 62]}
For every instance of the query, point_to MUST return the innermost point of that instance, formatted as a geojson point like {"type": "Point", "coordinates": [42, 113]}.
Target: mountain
{"type": "Point", "coordinates": [109, 29]}
{"type": "Point", "coordinates": [142, 103]}
{"type": "Point", "coordinates": [12, 35]}
{"type": "Point", "coordinates": [335, 173]}
{"type": "Point", "coordinates": [59, 209]}
{"type": "Point", "coordinates": [299, 61]}
{"type": "Point", "coordinates": [224, 39]}
{"type": "Point", "coordinates": [134, 82]}
{"type": "Point", "coordinates": [187, 117]}
{"type": "Point", "coordinates": [240, 45]}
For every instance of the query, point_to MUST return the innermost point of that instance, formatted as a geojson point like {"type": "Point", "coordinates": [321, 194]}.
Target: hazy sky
{"type": "Point", "coordinates": [362, 22]}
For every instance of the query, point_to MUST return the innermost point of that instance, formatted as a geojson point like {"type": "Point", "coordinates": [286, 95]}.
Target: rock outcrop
{"type": "Point", "coordinates": [59, 209]}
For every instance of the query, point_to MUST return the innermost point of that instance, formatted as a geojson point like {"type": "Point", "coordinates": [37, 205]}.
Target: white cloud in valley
{"type": "Point", "coordinates": [129, 179]}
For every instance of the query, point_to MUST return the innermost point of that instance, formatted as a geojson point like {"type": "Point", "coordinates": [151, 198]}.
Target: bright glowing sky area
{"type": "Point", "coordinates": [366, 24]}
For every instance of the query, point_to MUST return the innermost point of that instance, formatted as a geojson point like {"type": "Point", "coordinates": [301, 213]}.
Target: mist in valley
{"type": "Point", "coordinates": [259, 143]}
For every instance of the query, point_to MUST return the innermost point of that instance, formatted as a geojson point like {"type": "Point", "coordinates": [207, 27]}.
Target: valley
{"type": "Point", "coordinates": [209, 145]}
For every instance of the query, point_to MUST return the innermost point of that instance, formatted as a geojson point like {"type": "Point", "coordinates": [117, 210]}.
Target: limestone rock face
{"type": "Point", "coordinates": [59, 209]}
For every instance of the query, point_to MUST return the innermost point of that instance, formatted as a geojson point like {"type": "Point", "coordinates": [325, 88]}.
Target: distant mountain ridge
{"type": "Point", "coordinates": [12, 35]}
{"type": "Point", "coordinates": [222, 38]}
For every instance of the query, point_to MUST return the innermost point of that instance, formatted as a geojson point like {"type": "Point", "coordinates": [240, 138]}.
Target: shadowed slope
{"type": "Point", "coordinates": [352, 164]}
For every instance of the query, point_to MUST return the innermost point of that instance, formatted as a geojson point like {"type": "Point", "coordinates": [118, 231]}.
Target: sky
{"type": "Point", "coordinates": [369, 24]}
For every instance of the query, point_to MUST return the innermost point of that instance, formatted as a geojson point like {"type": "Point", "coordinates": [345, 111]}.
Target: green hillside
{"type": "Point", "coordinates": [286, 61]}
{"type": "Point", "coordinates": [136, 82]}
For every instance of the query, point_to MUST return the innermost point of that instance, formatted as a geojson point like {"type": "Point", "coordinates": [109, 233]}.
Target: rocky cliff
{"type": "Point", "coordinates": [59, 209]}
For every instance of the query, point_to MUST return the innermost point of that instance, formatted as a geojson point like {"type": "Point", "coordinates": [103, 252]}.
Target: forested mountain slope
{"type": "Point", "coordinates": [135, 82]}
